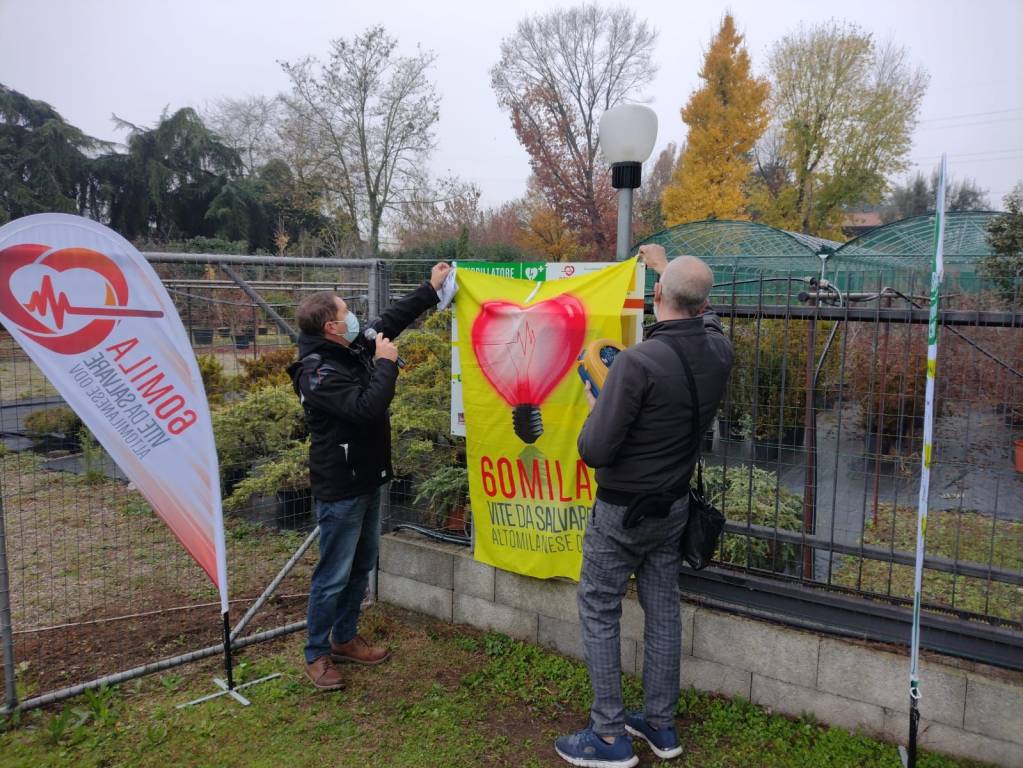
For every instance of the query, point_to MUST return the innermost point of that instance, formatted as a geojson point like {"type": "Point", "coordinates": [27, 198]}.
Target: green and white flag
{"type": "Point", "coordinates": [937, 274]}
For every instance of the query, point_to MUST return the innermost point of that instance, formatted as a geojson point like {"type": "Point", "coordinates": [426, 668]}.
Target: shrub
{"type": "Point", "coordinates": [968, 377]}
{"type": "Point", "coordinates": [768, 379]}
{"type": "Point", "coordinates": [260, 427]}
{"type": "Point", "coordinates": [754, 494]}
{"type": "Point", "coordinates": [92, 457]}
{"type": "Point", "coordinates": [269, 369]}
{"type": "Point", "coordinates": [196, 245]}
{"type": "Point", "coordinates": [287, 471]}
{"type": "Point", "coordinates": [53, 421]}
{"type": "Point", "coordinates": [1004, 266]}
{"type": "Point", "coordinates": [283, 303]}
{"type": "Point", "coordinates": [444, 492]}
{"type": "Point", "coordinates": [888, 376]}
{"type": "Point", "coordinates": [213, 379]}
{"type": "Point", "coordinates": [421, 411]}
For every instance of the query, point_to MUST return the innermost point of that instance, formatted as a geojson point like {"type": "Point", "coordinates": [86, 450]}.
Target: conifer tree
{"type": "Point", "coordinates": [726, 116]}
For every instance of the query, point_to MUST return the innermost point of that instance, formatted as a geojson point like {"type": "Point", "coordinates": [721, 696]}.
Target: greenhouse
{"type": "Point", "coordinates": [899, 252]}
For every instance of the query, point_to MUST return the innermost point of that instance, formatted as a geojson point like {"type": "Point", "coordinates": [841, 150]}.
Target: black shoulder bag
{"type": "Point", "coordinates": [706, 523]}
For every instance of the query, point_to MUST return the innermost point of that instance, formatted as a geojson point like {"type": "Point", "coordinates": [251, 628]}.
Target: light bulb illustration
{"type": "Point", "coordinates": [525, 352]}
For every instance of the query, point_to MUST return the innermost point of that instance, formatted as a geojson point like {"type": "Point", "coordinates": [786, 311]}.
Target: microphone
{"type": "Point", "coordinates": [370, 334]}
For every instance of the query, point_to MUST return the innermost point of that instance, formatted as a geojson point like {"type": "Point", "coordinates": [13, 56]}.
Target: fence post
{"type": "Point", "coordinates": [380, 287]}
{"type": "Point", "coordinates": [372, 293]}
{"type": "Point", "coordinates": [378, 297]}
{"type": "Point", "coordinates": [810, 443]}
{"type": "Point", "coordinates": [6, 630]}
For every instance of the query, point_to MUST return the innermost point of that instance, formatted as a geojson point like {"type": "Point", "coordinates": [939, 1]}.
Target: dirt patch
{"type": "Point", "coordinates": [72, 655]}
{"type": "Point", "coordinates": [81, 554]}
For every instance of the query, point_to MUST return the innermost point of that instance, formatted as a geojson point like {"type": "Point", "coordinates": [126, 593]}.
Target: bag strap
{"type": "Point", "coordinates": [694, 396]}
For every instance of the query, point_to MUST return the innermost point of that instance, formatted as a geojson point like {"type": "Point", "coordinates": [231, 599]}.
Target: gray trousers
{"type": "Point", "coordinates": [611, 554]}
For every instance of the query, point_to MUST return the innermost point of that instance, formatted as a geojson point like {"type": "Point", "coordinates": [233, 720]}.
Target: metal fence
{"type": "Point", "coordinates": [814, 458]}
{"type": "Point", "coordinates": [817, 455]}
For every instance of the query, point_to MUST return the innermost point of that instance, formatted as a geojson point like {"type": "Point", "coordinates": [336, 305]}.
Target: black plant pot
{"type": "Point", "coordinates": [766, 449]}
{"type": "Point", "coordinates": [793, 437]}
{"type": "Point", "coordinates": [877, 444]}
{"type": "Point", "coordinates": [729, 429]}
{"type": "Point", "coordinates": [296, 508]}
{"type": "Point", "coordinates": [708, 441]}
{"type": "Point", "coordinates": [242, 340]}
{"type": "Point", "coordinates": [55, 441]}
{"type": "Point", "coordinates": [282, 510]}
{"type": "Point", "coordinates": [202, 336]}
{"type": "Point", "coordinates": [906, 442]}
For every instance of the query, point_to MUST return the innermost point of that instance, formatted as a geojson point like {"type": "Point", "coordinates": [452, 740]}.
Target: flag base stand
{"type": "Point", "coordinates": [228, 688]}
{"type": "Point", "coordinates": [227, 691]}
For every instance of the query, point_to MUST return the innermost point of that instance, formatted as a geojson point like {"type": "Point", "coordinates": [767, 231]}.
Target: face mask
{"type": "Point", "coordinates": [352, 324]}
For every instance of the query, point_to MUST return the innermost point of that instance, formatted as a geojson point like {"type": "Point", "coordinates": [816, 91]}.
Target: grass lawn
{"type": "Point", "coordinates": [451, 697]}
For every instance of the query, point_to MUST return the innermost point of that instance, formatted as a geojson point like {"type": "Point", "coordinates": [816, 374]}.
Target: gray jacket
{"type": "Point", "coordinates": [639, 436]}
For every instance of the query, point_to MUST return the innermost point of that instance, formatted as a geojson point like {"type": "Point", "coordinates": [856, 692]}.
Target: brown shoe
{"type": "Point", "coordinates": [358, 651]}
{"type": "Point", "coordinates": [324, 674]}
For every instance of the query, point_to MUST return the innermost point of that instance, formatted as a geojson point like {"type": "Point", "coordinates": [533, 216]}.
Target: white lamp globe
{"type": "Point", "coordinates": [628, 133]}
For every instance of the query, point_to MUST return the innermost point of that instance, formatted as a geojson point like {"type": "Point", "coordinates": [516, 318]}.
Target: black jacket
{"type": "Point", "coordinates": [639, 436]}
{"type": "Point", "coordinates": [346, 395]}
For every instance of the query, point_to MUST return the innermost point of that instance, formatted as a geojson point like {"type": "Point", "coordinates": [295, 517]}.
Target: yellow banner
{"type": "Point", "coordinates": [519, 342]}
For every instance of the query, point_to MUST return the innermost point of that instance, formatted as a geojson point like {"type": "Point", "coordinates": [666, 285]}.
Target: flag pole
{"type": "Point", "coordinates": [937, 275]}
{"type": "Point", "coordinates": [228, 664]}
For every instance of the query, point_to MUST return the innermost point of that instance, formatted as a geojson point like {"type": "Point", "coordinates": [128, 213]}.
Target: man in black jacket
{"type": "Point", "coordinates": [346, 384]}
{"type": "Point", "coordinates": [639, 438]}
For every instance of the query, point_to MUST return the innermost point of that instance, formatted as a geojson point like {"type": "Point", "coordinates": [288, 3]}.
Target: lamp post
{"type": "Point", "coordinates": [627, 136]}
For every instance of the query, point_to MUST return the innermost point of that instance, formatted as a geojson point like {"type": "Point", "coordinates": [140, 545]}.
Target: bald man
{"type": "Point", "coordinates": [639, 438]}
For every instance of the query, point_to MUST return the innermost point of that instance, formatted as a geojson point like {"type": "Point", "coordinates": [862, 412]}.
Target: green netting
{"type": "Point", "coordinates": [913, 238]}
{"type": "Point", "coordinates": [903, 250]}
{"type": "Point", "coordinates": [895, 254]}
{"type": "Point", "coordinates": [740, 251]}
{"type": "Point", "coordinates": [735, 241]}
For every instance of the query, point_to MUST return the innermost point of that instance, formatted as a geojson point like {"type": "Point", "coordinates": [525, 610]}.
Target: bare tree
{"type": "Point", "coordinates": [557, 75]}
{"type": "Point", "coordinates": [249, 125]}
{"type": "Point", "coordinates": [656, 176]}
{"type": "Point", "coordinates": [918, 195]}
{"type": "Point", "coordinates": [440, 211]}
{"type": "Point", "coordinates": [367, 117]}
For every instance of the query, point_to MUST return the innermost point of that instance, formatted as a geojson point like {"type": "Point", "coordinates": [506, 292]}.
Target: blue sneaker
{"type": "Point", "coordinates": [663, 741]}
{"type": "Point", "coordinates": [588, 750]}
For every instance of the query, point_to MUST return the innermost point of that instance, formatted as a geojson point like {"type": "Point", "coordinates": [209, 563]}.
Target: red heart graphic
{"type": "Point", "coordinates": [524, 352]}
{"type": "Point", "coordinates": [47, 302]}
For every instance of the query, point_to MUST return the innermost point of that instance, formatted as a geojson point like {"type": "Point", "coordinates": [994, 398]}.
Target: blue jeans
{"type": "Point", "coordinates": [349, 543]}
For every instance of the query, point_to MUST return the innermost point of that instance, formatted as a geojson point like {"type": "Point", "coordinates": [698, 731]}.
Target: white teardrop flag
{"type": "Point", "coordinates": [96, 319]}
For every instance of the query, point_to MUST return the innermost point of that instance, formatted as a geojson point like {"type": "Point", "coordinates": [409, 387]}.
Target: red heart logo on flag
{"type": "Point", "coordinates": [44, 309]}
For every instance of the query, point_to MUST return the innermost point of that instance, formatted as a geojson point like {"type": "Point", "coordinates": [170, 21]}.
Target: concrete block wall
{"type": "Point", "coordinates": [967, 710]}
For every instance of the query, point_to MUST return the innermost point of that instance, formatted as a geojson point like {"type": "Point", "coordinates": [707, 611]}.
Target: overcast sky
{"type": "Point", "coordinates": [134, 57]}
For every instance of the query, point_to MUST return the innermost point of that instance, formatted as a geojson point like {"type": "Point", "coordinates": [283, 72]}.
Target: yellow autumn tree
{"type": "Point", "coordinates": [726, 116]}
{"type": "Point", "coordinates": [546, 234]}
